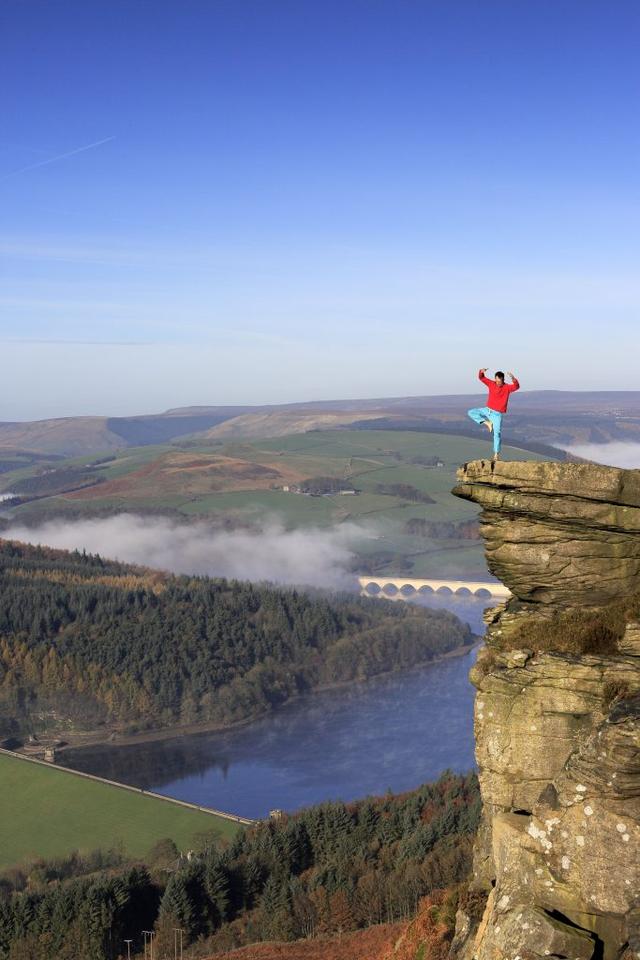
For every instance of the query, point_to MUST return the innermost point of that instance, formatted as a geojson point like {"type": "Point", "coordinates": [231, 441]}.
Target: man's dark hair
{"type": "Point", "coordinates": [500, 374]}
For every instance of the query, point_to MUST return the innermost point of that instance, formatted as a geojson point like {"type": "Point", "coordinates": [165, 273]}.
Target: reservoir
{"type": "Point", "coordinates": [391, 733]}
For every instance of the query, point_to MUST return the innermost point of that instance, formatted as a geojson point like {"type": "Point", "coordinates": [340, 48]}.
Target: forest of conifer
{"type": "Point", "coordinates": [324, 870]}
{"type": "Point", "coordinates": [87, 643]}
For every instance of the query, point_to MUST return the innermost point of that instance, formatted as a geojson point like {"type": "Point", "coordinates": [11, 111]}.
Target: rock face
{"type": "Point", "coordinates": [558, 533]}
{"type": "Point", "coordinates": [557, 733]}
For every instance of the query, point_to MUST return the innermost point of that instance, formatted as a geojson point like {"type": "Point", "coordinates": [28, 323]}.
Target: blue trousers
{"type": "Point", "coordinates": [481, 415]}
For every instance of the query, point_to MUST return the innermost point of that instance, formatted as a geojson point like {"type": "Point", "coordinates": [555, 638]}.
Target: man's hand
{"type": "Point", "coordinates": [483, 370]}
{"type": "Point", "coordinates": [511, 375]}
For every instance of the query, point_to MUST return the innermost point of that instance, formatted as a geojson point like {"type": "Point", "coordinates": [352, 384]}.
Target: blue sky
{"type": "Point", "coordinates": [231, 201]}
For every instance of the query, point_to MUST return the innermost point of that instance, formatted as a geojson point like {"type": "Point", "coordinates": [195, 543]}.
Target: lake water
{"type": "Point", "coordinates": [394, 732]}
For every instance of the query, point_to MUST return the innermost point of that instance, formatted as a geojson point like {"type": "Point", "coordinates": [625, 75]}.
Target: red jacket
{"type": "Point", "coordinates": [499, 396]}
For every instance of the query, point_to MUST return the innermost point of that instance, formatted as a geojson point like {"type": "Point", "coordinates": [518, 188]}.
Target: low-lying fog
{"type": "Point", "coordinates": [616, 454]}
{"type": "Point", "coordinates": [317, 557]}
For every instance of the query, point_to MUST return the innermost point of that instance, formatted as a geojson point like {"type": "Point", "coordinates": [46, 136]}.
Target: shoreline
{"type": "Point", "coordinates": [112, 738]}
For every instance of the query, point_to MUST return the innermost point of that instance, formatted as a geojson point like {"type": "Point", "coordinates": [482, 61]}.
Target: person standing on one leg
{"type": "Point", "coordinates": [497, 402]}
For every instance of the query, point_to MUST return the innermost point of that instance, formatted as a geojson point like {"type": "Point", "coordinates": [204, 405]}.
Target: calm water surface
{"type": "Point", "coordinates": [394, 733]}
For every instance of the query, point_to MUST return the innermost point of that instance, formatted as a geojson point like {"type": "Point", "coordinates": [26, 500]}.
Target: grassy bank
{"type": "Point", "coordinates": [48, 812]}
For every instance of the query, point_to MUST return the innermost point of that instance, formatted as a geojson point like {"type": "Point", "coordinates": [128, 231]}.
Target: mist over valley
{"type": "Point", "coordinates": [317, 557]}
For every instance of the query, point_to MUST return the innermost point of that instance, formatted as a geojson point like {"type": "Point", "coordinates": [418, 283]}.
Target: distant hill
{"type": "Point", "coordinates": [543, 416]}
{"type": "Point", "coordinates": [601, 401]}
{"type": "Point", "coordinates": [280, 423]}
{"type": "Point", "coordinates": [65, 437]}
{"type": "Point", "coordinates": [78, 436]}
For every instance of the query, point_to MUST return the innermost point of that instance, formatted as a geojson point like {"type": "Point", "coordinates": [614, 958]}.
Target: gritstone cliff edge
{"type": "Point", "coordinates": [557, 721]}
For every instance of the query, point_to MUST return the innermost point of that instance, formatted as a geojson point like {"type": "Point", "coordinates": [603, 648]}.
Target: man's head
{"type": "Point", "coordinates": [499, 377]}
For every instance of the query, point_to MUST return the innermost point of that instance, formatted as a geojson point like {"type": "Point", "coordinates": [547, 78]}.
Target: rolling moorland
{"type": "Point", "coordinates": [408, 521]}
{"type": "Point", "coordinates": [88, 644]}
{"type": "Point", "coordinates": [539, 417]}
{"type": "Point", "coordinates": [231, 466]}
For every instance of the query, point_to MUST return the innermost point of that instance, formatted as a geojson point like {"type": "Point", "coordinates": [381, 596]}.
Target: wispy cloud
{"type": "Point", "coordinates": [59, 156]}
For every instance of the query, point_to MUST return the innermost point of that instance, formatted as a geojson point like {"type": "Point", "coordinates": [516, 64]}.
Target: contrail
{"type": "Point", "coordinates": [60, 156]}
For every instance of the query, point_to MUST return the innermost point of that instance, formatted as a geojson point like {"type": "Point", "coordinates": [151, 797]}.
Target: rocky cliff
{"type": "Point", "coordinates": [557, 722]}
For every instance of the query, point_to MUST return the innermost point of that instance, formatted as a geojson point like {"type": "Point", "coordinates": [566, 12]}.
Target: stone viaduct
{"type": "Point", "coordinates": [406, 586]}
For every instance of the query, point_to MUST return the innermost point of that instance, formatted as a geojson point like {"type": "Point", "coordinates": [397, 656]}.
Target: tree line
{"type": "Point", "coordinates": [405, 491]}
{"type": "Point", "coordinates": [327, 869]}
{"type": "Point", "coordinates": [443, 529]}
{"type": "Point", "coordinates": [90, 641]}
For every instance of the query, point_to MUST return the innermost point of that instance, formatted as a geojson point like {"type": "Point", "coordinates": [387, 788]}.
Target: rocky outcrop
{"type": "Point", "coordinates": [557, 719]}
{"type": "Point", "coordinates": [558, 533]}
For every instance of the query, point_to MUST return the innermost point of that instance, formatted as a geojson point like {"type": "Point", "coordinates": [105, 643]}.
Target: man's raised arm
{"type": "Point", "coordinates": [515, 383]}
{"type": "Point", "coordinates": [481, 376]}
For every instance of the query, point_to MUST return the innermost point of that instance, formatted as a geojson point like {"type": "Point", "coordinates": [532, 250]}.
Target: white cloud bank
{"type": "Point", "coordinates": [316, 557]}
{"type": "Point", "coordinates": [616, 454]}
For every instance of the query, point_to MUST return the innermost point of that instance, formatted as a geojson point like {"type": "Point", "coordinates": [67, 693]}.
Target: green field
{"type": "Point", "coordinates": [365, 458]}
{"type": "Point", "coordinates": [48, 812]}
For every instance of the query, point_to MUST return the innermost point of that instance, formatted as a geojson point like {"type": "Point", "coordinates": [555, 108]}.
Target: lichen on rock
{"type": "Point", "coordinates": [557, 715]}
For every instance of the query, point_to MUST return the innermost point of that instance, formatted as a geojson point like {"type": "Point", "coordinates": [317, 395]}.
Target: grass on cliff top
{"type": "Point", "coordinates": [579, 631]}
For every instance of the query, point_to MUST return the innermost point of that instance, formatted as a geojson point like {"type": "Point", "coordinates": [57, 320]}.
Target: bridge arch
{"type": "Point", "coordinates": [404, 587]}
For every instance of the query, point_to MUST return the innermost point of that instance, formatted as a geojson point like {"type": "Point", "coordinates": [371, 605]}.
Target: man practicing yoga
{"type": "Point", "coordinates": [497, 402]}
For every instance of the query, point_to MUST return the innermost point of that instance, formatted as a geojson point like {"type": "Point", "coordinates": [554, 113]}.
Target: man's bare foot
{"type": "Point", "coordinates": [488, 425]}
